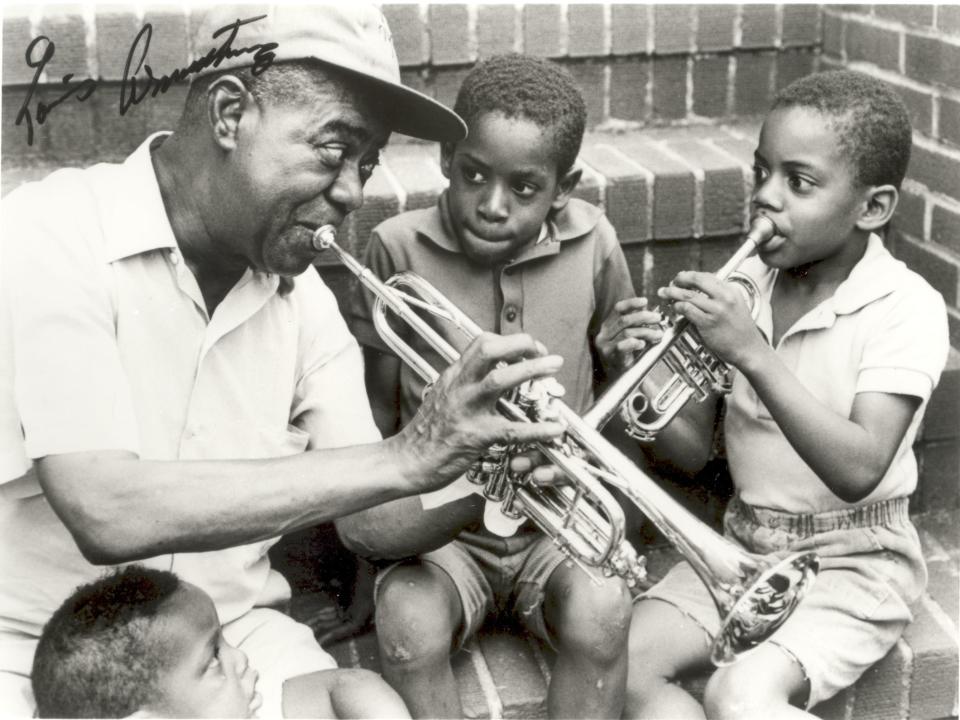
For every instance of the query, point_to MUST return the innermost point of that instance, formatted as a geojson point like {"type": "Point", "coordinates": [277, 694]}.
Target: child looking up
{"type": "Point", "coordinates": [832, 383]}
{"type": "Point", "coordinates": [508, 245]}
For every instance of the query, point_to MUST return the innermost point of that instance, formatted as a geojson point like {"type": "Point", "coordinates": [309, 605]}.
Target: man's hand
{"type": "Point", "coordinates": [458, 418]}
{"type": "Point", "coordinates": [627, 331]}
{"type": "Point", "coordinates": [719, 312]}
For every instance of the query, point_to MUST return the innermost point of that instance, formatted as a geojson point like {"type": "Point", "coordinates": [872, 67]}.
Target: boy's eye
{"type": "Point", "coordinates": [472, 175]}
{"type": "Point", "coordinates": [800, 184]}
{"type": "Point", "coordinates": [760, 174]}
{"type": "Point", "coordinates": [524, 190]}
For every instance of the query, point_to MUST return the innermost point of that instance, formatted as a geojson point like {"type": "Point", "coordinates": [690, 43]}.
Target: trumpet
{"type": "Point", "coordinates": [694, 371]}
{"type": "Point", "coordinates": [754, 594]}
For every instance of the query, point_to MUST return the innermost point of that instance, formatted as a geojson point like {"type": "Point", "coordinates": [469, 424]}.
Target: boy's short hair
{"type": "Point", "coordinates": [870, 120]}
{"type": "Point", "coordinates": [520, 86]}
{"type": "Point", "coordinates": [97, 656]}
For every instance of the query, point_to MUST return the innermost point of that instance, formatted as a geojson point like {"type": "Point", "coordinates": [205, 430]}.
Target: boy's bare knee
{"type": "Point", "coordinates": [587, 619]}
{"type": "Point", "coordinates": [416, 615]}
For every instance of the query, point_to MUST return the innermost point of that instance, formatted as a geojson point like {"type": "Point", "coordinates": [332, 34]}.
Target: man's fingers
{"type": "Point", "coordinates": [489, 349]}
{"type": "Point", "coordinates": [506, 377]}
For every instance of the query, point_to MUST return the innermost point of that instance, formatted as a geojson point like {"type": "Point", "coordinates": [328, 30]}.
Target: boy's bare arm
{"type": "Point", "coordinates": [849, 454]}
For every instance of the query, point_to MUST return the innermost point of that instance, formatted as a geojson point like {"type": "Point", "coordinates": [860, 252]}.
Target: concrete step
{"type": "Point", "coordinates": [504, 673]}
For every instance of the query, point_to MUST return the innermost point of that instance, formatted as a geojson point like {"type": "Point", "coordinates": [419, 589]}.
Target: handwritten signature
{"type": "Point", "coordinates": [133, 88]}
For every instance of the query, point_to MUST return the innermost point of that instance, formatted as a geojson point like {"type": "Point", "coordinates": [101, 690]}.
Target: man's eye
{"type": "Point", "coordinates": [367, 167]}
{"type": "Point", "coordinates": [331, 155]}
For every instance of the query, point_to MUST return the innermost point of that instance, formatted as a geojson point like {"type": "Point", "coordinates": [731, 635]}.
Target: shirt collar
{"type": "Point", "coordinates": [135, 220]}
{"type": "Point", "coordinates": [575, 220]}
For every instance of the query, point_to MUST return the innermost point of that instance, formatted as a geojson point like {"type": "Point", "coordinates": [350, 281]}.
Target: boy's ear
{"type": "Point", "coordinates": [880, 203]}
{"type": "Point", "coordinates": [446, 158]}
{"type": "Point", "coordinates": [566, 186]}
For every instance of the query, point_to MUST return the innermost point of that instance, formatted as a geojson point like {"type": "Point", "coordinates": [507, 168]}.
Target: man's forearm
{"type": "Point", "coordinates": [120, 508]}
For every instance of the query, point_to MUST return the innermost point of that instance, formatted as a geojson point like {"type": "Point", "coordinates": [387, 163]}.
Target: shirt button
{"type": "Point", "coordinates": [510, 313]}
{"type": "Point", "coordinates": [174, 258]}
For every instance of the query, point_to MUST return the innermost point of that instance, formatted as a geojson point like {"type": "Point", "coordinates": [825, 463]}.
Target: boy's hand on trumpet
{"type": "Point", "coordinates": [458, 419]}
{"type": "Point", "coordinates": [719, 311]}
{"type": "Point", "coordinates": [626, 331]}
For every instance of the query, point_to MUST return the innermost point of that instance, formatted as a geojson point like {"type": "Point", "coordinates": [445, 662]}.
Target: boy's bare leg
{"type": "Point", "coordinates": [341, 693]}
{"type": "Point", "coordinates": [759, 685]}
{"type": "Point", "coordinates": [664, 643]}
{"type": "Point", "coordinates": [589, 627]}
{"type": "Point", "coordinates": [418, 613]}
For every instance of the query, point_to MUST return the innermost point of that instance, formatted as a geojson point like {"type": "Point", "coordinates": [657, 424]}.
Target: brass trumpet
{"type": "Point", "coordinates": [754, 594]}
{"type": "Point", "coordinates": [693, 369]}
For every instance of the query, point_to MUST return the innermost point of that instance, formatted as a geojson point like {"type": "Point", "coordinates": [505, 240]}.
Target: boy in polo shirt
{"type": "Point", "coordinates": [508, 245]}
{"type": "Point", "coordinates": [822, 416]}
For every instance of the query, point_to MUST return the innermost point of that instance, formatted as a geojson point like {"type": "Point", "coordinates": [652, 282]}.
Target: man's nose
{"type": "Point", "coordinates": [347, 188]}
{"type": "Point", "coordinates": [494, 205]}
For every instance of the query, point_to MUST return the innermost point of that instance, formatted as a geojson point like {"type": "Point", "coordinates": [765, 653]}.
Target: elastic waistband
{"type": "Point", "coordinates": [885, 512]}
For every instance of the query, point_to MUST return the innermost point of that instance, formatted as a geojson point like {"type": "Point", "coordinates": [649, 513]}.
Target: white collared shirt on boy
{"type": "Point", "coordinates": [883, 330]}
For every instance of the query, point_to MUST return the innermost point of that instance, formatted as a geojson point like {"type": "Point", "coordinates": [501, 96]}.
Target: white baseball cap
{"type": "Point", "coordinates": [354, 37]}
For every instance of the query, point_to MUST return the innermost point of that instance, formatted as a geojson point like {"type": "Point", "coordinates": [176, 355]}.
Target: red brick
{"type": "Point", "coordinates": [942, 419]}
{"type": "Point", "coordinates": [409, 34]}
{"type": "Point", "coordinates": [758, 26]}
{"type": "Point", "coordinates": [119, 135]}
{"type": "Point", "coordinates": [917, 14]}
{"type": "Point", "coordinates": [669, 258]}
{"type": "Point", "coordinates": [945, 228]}
{"type": "Point", "coordinates": [515, 672]}
{"type": "Point", "coordinates": [740, 148]}
{"type": "Point", "coordinates": [115, 33]}
{"type": "Point", "coordinates": [723, 192]}
{"type": "Point", "coordinates": [714, 252]}
{"type": "Point", "coordinates": [833, 27]}
{"type": "Point", "coordinates": [953, 322]}
{"type": "Point", "coordinates": [164, 110]}
{"type": "Point", "coordinates": [70, 128]}
{"type": "Point", "coordinates": [628, 25]}
{"type": "Point", "coordinates": [588, 189]}
{"type": "Point", "coordinates": [379, 204]}
{"type": "Point", "coordinates": [628, 89]}
{"type": "Point", "coordinates": [793, 65]}
{"type": "Point", "coordinates": [948, 18]}
{"type": "Point", "coordinates": [933, 60]}
{"type": "Point", "coordinates": [673, 187]}
{"type": "Point", "coordinates": [950, 120]}
{"type": "Point", "coordinates": [919, 106]}
{"type": "Point", "coordinates": [672, 28]}
{"type": "Point", "coordinates": [936, 265]}
{"type": "Point", "coordinates": [933, 684]}
{"type": "Point", "coordinates": [418, 172]}
{"type": "Point", "coordinates": [414, 78]}
{"type": "Point", "coordinates": [16, 38]}
{"type": "Point", "coordinates": [625, 200]}
{"type": "Point", "coordinates": [586, 30]}
{"type": "Point", "coordinates": [715, 27]}
{"type": "Point", "coordinates": [634, 255]}
{"type": "Point", "coordinates": [14, 138]}
{"type": "Point", "coordinates": [496, 29]}
{"type": "Point", "coordinates": [710, 86]}
{"type": "Point", "coordinates": [170, 42]}
{"type": "Point", "coordinates": [800, 24]}
{"type": "Point", "coordinates": [449, 34]}
{"type": "Point", "coordinates": [909, 214]}
{"type": "Point", "coordinates": [857, 9]}
{"type": "Point", "coordinates": [752, 87]}
{"type": "Point", "coordinates": [67, 30]}
{"type": "Point", "coordinates": [936, 170]}
{"type": "Point", "coordinates": [541, 30]}
{"type": "Point", "coordinates": [446, 84]}
{"type": "Point", "coordinates": [839, 707]}
{"type": "Point", "coordinates": [873, 44]}
{"type": "Point", "coordinates": [589, 76]}
{"type": "Point", "coordinates": [472, 697]}
{"type": "Point", "coordinates": [670, 88]}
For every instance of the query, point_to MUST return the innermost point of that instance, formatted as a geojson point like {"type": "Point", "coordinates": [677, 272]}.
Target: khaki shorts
{"type": "Point", "coordinates": [275, 644]}
{"type": "Point", "coordinates": [497, 575]}
{"type": "Point", "coordinates": [871, 570]}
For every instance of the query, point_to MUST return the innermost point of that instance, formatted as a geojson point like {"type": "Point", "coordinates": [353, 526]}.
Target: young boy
{"type": "Point", "coordinates": [508, 245]}
{"type": "Point", "coordinates": [141, 642]}
{"type": "Point", "coordinates": [832, 384]}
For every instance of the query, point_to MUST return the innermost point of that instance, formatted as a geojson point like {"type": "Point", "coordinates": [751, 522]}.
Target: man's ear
{"type": "Point", "coordinates": [566, 186]}
{"type": "Point", "coordinates": [446, 158]}
{"type": "Point", "coordinates": [880, 203]}
{"type": "Point", "coordinates": [227, 100]}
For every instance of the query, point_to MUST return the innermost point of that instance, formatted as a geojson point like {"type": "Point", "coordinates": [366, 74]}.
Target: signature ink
{"type": "Point", "coordinates": [82, 90]}
{"type": "Point", "coordinates": [133, 92]}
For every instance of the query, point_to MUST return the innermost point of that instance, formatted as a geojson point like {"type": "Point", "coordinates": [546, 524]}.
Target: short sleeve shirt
{"type": "Point", "coordinates": [883, 330]}
{"type": "Point", "coordinates": [557, 290]}
{"type": "Point", "coordinates": [113, 349]}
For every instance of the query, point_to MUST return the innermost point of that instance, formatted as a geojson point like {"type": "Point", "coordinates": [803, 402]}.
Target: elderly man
{"type": "Point", "coordinates": [186, 387]}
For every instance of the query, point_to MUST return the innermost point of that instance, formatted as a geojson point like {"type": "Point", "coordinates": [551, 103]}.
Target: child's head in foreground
{"type": "Point", "coordinates": [833, 151]}
{"type": "Point", "coordinates": [140, 642]}
{"type": "Point", "coordinates": [526, 119]}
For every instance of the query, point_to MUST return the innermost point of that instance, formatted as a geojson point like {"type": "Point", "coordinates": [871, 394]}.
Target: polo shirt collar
{"type": "Point", "coordinates": [135, 221]}
{"type": "Point", "coordinates": [574, 221]}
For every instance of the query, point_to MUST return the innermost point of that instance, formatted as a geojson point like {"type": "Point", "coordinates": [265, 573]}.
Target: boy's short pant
{"type": "Point", "coordinates": [276, 645]}
{"type": "Point", "coordinates": [871, 570]}
{"type": "Point", "coordinates": [494, 574]}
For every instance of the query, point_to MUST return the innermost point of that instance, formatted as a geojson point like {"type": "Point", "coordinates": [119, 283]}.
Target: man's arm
{"type": "Point", "coordinates": [120, 508]}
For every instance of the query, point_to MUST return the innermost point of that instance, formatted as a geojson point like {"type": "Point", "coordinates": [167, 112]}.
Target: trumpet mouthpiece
{"type": "Point", "coordinates": [761, 230]}
{"type": "Point", "coordinates": [324, 236]}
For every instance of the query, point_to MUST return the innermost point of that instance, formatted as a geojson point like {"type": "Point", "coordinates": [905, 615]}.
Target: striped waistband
{"type": "Point", "coordinates": [894, 510]}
